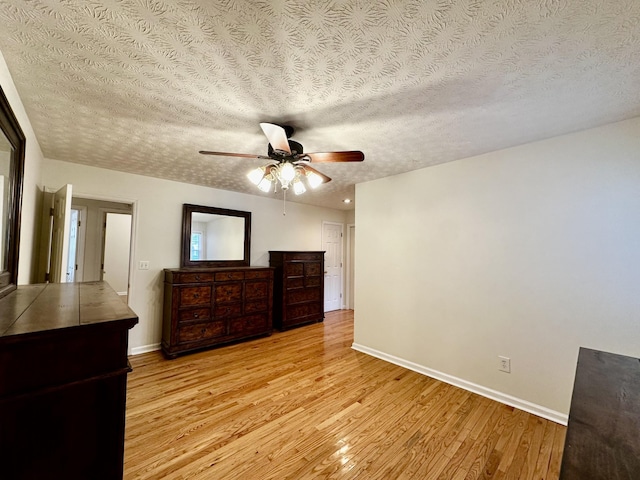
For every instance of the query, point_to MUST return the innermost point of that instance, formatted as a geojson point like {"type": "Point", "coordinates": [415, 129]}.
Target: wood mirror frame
{"type": "Point", "coordinates": [187, 213]}
{"type": "Point", "coordinates": [11, 129]}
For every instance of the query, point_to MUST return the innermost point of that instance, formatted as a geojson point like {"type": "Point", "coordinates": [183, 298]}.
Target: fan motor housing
{"type": "Point", "coordinates": [295, 147]}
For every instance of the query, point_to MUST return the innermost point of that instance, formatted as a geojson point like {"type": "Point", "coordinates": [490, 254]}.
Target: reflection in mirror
{"type": "Point", "coordinates": [215, 237]}
{"type": "Point", "coordinates": [5, 191]}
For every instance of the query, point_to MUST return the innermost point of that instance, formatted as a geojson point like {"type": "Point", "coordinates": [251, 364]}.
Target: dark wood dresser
{"type": "Point", "coordinates": [204, 307]}
{"type": "Point", "coordinates": [603, 435]}
{"type": "Point", "coordinates": [63, 379]}
{"type": "Point", "coordinates": [298, 288]}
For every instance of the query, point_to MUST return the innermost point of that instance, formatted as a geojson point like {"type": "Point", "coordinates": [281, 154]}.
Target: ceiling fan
{"type": "Point", "coordinates": [288, 162]}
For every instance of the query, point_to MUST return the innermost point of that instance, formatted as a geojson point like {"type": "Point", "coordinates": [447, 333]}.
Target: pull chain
{"type": "Point", "coordinates": [284, 201]}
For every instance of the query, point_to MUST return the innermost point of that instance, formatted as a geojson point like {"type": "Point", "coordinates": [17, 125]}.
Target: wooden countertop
{"type": "Point", "coordinates": [36, 308]}
{"type": "Point", "coordinates": [603, 437]}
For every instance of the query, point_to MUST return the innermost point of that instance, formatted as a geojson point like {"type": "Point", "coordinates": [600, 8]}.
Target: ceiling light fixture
{"type": "Point", "coordinates": [287, 174]}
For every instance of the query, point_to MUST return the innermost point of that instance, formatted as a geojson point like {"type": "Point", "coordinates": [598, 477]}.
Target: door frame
{"type": "Point", "coordinates": [82, 230]}
{"type": "Point", "coordinates": [349, 285]}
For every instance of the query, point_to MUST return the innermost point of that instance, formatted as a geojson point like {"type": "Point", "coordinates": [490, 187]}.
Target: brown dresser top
{"type": "Point", "coordinates": [604, 420]}
{"type": "Point", "coordinates": [296, 251]}
{"type": "Point", "coordinates": [212, 269]}
{"type": "Point", "coordinates": [43, 307]}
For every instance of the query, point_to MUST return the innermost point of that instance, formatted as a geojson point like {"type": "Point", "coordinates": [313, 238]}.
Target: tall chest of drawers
{"type": "Point", "coordinates": [63, 381]}
{"type": "Point", "coordinates": [211, 306]}
{"type": "Point", "coordinates": [298, 287]}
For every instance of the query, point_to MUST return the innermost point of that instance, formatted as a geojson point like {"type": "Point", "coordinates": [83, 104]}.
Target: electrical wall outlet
{"type": "Point", "coordinates": [504, 364]}
{"type": "Point", "coordinates": [143, 265]}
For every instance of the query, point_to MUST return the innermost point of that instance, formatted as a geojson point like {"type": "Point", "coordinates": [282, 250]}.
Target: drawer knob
{"type": "Point", "coordinates": [197, 277]}
{"type": "Point", "coordinates": [195, 315]}
{"type": "Point", "coordinates": [202, 330]}
{"type": "Point", "coordinates": [229, 275]}
{"type": "Point", "coordinates": [196, 295]}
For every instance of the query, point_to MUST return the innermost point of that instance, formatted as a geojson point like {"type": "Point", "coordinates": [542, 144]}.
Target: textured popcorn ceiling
{"type": "Point", "coordinates": [141, 85]}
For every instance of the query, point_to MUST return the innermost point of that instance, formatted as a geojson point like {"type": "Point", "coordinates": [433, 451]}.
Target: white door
{"type": "Point", "coordinates": [332, 245]}
{"type": "Point", "coordinates": [60, 226]}
{"type": "Point", "coordinates": [117, 246]}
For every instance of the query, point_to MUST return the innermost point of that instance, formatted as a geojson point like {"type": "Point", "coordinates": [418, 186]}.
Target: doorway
{"type": "Point", "coordinates": [75, 262]}
{"type": "Point", "coordinates": [332, 245]}
{"type": "Point", "coordinates": [85, 240]}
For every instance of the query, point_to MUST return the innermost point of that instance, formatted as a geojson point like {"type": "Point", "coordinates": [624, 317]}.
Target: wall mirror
{"type": "Point", "coordinates": [215, 237]}
{"type": "Point", "coordinates": [12, 146]}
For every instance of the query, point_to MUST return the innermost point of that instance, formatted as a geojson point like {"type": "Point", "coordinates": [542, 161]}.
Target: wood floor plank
{"type": "Point", "coordinates": [556, 451]}
{"type": "Point", "coordinates": [303, 404]}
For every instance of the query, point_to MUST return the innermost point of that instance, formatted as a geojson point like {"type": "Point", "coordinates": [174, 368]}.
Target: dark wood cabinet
{"type": "Point", "coordinates": [604, 419]}
{"type": "Point", "coordinates": [63, 379]}
{"type": "Point", "coordinates": [212, 306]}
{"type": "Point", "coordinates": [298, 287]}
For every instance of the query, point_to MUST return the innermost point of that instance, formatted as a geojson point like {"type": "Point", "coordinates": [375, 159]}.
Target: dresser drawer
{"type": "Point", "coordinates": [303, 295]}
{"type": "Point", "coordinates": [312, 268]}
{"type": "Point", "coordinates": [304, 256]}
{"type": "Point", "coordinates": [295, 282]}
{"type": "Point", "coordinates": [248, 324]}
{"type": "Point", "coordinates": [194, 314]}
{"type": "Point", "coordinates": [313, 281]}
{"type": "Point", "coordinates": [294, 269]}
{"type": "Point", "coordinates": [201, 331]}
{"type": "Point", "coordinates": [303, 310]}
{"type": "Point", "coordinates": [192, 277]}
{"type": "Point", "coordinates": [257, 306]}
{"type": "Point", "coordinates": [226, 276]}
{"type": "Point", "coordinates": [224, 311]}
{"type": "Point", "coordinates": [228, 292]}
{"type": "Point", "coordinates": [195, 295]}
{"type": "Point", "coordinates": [255, 290]}
{"type": "Point", "coordinates": [255, 274]}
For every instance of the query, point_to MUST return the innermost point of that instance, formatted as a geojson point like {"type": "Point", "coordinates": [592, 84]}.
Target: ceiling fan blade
{"type": "Point", "coordinates": [329, 157]}
{"type": "Point", "coordinates": [227, 154]}
{"type": "Point", "coordinates": [277, 137]}
{"type": "Point", "coordinates": [325, 179]}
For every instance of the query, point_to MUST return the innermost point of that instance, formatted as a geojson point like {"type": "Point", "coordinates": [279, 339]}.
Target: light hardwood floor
{"type": "Point", "coordinates": [302, 404]}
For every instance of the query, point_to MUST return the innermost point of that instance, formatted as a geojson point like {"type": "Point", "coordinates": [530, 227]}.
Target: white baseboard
{"type": "Point", "coordinates": [472, 387]}
{"type": "Point", "coordinates": [145, 349]}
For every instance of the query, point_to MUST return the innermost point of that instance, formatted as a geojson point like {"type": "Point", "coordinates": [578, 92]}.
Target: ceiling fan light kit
{"type": "Point", "coordinates": [289, 164]}
{"type": "Point", "coordinates": [287, 174]}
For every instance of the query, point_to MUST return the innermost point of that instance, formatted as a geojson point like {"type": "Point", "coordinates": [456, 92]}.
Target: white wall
{"type": "Point", "coordinates": [157, 228]}
{"type": "Point", "coordinates": [529, 252]}
{"type": "Point", "coordinates": [32, 189]}
{"type": "Point", "coordinates": [225, 238]}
